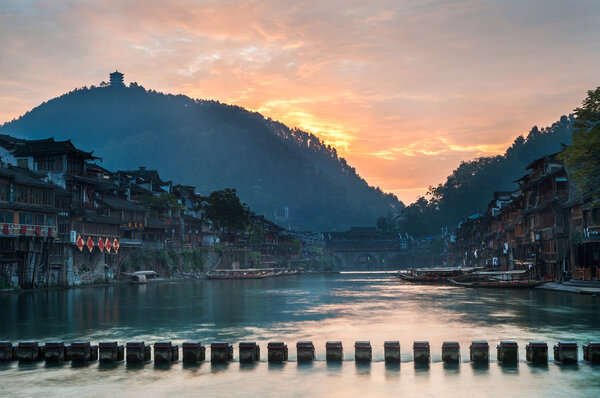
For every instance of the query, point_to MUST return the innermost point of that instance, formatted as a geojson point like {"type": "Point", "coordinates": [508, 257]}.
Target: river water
{"type": "Point", "coordinates": [318, 308]}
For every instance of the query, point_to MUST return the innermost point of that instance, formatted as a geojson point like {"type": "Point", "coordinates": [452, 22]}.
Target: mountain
{"type": "Point", "coordinates": [288, 175]}
{"type": "Point", "coordinates": [470, 187]}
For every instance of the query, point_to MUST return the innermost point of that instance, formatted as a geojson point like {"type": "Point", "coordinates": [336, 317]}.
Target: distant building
{"type": "Point", "coordinates": [367, 248]}
{"type": "Point", "coordinates": [116, 79]}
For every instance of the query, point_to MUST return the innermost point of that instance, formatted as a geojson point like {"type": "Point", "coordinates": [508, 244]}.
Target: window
{"type": "Point", "coordinates": [21, 194]}
{"type": "Point", "coordinates": [6, 217]}
{"type": "Point", "coordinates": [39, 219]}
{"type": "Point", "coordinates": [25, 218]}
{"type": "Point", "coordinates": [51, 221]}
{"type": "Point", "coordinates": [49, 163]}
{"type": "Point", "coordinates": [595, 216]}
{"type": "Point", "coordinates": [4, 192]}
{"type": "Point", "coordinates": [23, 163]}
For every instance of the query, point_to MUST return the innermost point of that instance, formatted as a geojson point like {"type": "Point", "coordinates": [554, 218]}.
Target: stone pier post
{"type": "Point", "coordinates": [566, 351]}
{"type": "Point", "coordinates": [508, 352]}
{"type": "Point", "coordinates": [305, 351]}
{"type": "Point", "coordinates": [591, 352]}
{"type": "Point", "coordinates": [221, 352]}
{"type": "Point", "coordinates": [81, 351]}
{"type": "Point", "coordinates": [537, 352]}
{"type": "Point", "coordinates": [249, 352]}
{"type": "Point", "coordinates": [110, 352]}
{"type": "Point", "coordinates": [334, 352]}
{"type": "Point", "coordinates": [480, 351]}
{"type": "Point", "coordinates": [138, 352]}
{"type": "Point", "coordinates": [363, 351]}
{"type": "Point", "coordinates": [391, 351]}
{"type": "Point", "coordinates": [55, 351]}
{"type": "Point", "coordinates": [193, 352]}
{"type": "Point", "coordinates": [421, 352]}
{"type": "Point", "coordinates": [6, 351]}
{"type": "Point", "coordinates": [28, 351]}
{"type": "Point", "coordinates": [451, 352]}
{"type": "Point", "coordinates": [164, 352]}
{"type": "Point", "coordinates": [277, 351]}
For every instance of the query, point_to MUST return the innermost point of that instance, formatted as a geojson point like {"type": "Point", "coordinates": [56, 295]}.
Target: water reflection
{"type": "Point", "coordinates": [480, 367]}
{"type": "Point", "coordinates": [510, 369]}
{"type": "Point", "coordinates": [316, 308]}
{"type": "Point", "coordinates": [451, 368]}
{"type": "Point", "coordinates": [363, 368]}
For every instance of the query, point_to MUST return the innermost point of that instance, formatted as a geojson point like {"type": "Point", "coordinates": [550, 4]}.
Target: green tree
{"type": "Point", "coordinates": [226, 212]}
{"type": "Point", "coordinates": [582, 158]}
{"type": "Point", "coordinates": [382, 224]}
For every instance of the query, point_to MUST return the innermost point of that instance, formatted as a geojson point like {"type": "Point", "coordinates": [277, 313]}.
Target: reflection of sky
{"type": "Point", "coordinates": [404, 89]}
{"type": "Point", "coordinates": [290, 309]}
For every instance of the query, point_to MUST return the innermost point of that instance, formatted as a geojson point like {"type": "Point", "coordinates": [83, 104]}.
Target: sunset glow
{"type": "Point", "coordinates": [405, 90]}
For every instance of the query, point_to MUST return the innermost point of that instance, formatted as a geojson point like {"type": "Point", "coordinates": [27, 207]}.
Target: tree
{"type": "Point", "coordinates": [226, 212]}
{"type": "Point", "coordinates": [582, 158]}
{"type": "Point", "coordinates": [382, 224]}
{"type": "Point", "coordinates": [161, 205]}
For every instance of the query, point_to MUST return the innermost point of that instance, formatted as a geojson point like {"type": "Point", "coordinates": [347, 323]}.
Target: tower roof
{"type": "Point", "coordinates": [116, 78]}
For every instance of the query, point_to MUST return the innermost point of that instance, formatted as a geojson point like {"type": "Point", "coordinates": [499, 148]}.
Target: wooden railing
{"type": "Point", "coordinates": [583, 274]}
{"type": "Point", "coordinates": [27, 230]}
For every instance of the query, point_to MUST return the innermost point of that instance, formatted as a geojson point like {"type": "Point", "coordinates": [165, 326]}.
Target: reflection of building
{"type": "Point", "coordinates": [116, 79]}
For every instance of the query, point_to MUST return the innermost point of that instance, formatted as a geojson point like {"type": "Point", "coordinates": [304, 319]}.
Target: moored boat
{"type": "Point", "coordinates": [239, 274]}
{"type": "Point", "coordinates": [438, 275]}
{"type": "Point", "coordinates": [497, 279]}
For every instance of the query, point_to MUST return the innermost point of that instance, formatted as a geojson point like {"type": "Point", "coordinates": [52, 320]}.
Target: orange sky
{"type": "Point", "coordinates": [405, 90]}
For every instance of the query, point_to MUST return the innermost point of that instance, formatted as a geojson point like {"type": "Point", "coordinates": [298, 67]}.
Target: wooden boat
{"type": "Point", "coordinates": [138, 279]}
{"type": "Point", "coordinates": [439, 275]}
{"type": "Point", "coordinates": [497, 279]}
{"type": "Point", "coordinates": [239, 274]}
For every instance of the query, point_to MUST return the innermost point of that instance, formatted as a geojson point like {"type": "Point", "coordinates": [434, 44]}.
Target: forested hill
{"type": "Point", "coordinates": [212, 146]}
{"type": "Point", "coordinates": [470, 187]}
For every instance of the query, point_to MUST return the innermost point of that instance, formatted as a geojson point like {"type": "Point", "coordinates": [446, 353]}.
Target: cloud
{"type": "Point", "coordinates": [404, 89]}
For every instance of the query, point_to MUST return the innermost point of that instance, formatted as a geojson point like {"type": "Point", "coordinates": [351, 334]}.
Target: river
{"type": "Point", "coordinates": [318, 308]}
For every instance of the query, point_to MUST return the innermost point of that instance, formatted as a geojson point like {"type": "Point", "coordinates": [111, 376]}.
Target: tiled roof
{"type": "Point", "coordinates": [24, 177]}
{"type": "Point", "coordinates": [121, 204]}
{"type": "Point", "coordinates": [48, 146]}
{"type": "Point", "coordinates": [101, 219]}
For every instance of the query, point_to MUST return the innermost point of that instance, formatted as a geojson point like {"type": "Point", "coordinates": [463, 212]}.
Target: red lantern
{"type": "Point", "coordinates": [5, 229]}
{"type": "Point", "coordinates": [80, 243]}
{"type": "Point", "coordinates": [116, 245]}
{"type": "Point", "coordinates": [90, 244]}
{"type": "Point", "coordinates": [107, 244]}
{"type": "Point", "coordinates": [23, 229]}
{"type": "Point", "coordinates": [101, 244]}
{"type": "Point", "coordinates": [38, 231]}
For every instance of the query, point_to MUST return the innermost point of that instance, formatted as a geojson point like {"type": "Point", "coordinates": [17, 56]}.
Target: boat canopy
{"type": "Point", "coordinates": [444, 269]}
{"type": "Point", "coordinates": [146, 273]}
{"type": "Point", "coordinates": [491, 273]}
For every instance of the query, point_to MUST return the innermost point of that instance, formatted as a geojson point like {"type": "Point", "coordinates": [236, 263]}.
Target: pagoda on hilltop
{"type": "Point", "coordinates": [116, 79]}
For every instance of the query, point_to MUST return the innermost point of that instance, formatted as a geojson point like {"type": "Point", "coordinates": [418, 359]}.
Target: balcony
{"type": "Point", "coordinates": [16, 230]}
{"type": "Point", "coordinates": [129, 242]}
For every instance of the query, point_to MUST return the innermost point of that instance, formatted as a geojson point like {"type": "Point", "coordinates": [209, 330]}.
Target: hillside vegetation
{"type": "Point", "coordinates": [212, 146]}
{"type": "Point", "coordinates": [470, 187]}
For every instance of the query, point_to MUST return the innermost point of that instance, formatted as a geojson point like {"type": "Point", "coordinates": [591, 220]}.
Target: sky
{"type": "Point", "coordinates": [405, 90]}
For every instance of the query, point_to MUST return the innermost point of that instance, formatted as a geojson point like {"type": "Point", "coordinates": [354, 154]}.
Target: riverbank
{"type": "Point", "coordinates": [93, 284]}
{"type": "Point", "coordinates": [570, 287]}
